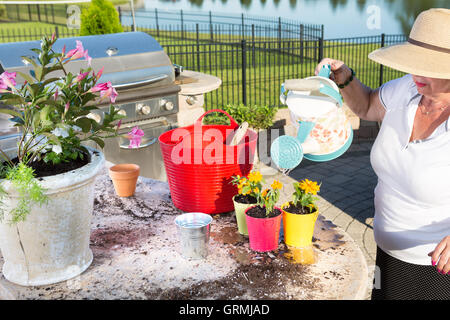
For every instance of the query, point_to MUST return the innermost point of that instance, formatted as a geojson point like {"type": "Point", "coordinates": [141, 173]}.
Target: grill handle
{"type": "Point", "coordinates": [141, 82]}
{"type": "Point", "coordinates": [125, 146]}
{"type": "Point", "coordinates": [156, 121]}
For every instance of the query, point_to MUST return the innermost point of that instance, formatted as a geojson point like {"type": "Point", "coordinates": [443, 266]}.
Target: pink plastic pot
{"type": "Point", "coordinates": [263, 233]}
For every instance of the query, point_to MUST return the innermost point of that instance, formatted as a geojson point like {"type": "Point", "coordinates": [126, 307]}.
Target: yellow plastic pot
{"type": "Point", "coordinates": [298, 228]}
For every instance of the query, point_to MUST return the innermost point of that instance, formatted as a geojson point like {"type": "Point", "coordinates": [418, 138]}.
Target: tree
{"type": "Point", "coordinates": [100, 18]}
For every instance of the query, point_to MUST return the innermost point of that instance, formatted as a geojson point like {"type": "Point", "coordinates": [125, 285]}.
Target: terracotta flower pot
{"type": "Point", "coordinates": [124, 177]}
{"type": "Point", "coordinates": [263, 233]}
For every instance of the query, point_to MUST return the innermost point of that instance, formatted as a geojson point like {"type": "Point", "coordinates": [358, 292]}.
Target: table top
{"type": "Point", "coordinates": [137, 256]}
{"type": "Point", "coordinates": [195, 83]}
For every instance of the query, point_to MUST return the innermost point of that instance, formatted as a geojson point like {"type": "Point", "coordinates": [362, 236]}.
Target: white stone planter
{"type": "Point", "coordinates": [52, 244]}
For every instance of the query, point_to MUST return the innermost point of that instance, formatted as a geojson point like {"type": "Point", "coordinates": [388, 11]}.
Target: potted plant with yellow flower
{"type": "Point", "coordinates": [264, 220]}
{"type": "Point", "coordinates": [300, 214]}
{"type": "Point", "coordinates": [248, 189]}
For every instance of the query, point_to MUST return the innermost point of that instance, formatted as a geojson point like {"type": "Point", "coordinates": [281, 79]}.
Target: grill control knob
{"type": "Point", "coordinates": [122, 112]}
{"type": "Point", "coordinates": [169, 105]}
{"type": "Point", "coordinates": [191, 100]}
{"type": "Point", "coordinates": [143, 109]}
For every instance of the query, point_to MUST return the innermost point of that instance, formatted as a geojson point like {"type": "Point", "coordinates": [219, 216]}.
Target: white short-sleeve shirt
{"type": "Point", "coordinates": [412, 197]}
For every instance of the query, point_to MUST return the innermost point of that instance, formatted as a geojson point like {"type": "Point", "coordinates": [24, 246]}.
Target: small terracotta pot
{"type": "Point", "coordinates": [124, 177]}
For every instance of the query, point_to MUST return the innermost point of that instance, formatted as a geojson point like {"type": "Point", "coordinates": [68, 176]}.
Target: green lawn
{"type": "Point", "coordinates": [268, 63]}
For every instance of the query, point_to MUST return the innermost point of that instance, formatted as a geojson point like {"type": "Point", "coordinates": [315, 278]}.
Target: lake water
{"type": "Point", "coordinates": [341, 18]}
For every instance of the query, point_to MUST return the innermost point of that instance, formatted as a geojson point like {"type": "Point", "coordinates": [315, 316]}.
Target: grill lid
{"type": "Point", "coordinates": [130, 59]}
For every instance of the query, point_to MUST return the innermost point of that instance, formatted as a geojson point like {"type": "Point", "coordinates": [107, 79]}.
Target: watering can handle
{"type": "Point", "coordinates": [325, 71]}
{"type": "Point", "coordinates": [233, 123]}
{"type": "Point", "coordinates": [327, 90]}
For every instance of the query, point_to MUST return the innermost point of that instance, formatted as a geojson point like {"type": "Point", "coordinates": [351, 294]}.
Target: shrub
{"type": "Point", "coordinates": [3, 14]}
{"type": "Point", "coordinates": [100, 18]}
{"type": "Point", "coordinates": [258, 117]}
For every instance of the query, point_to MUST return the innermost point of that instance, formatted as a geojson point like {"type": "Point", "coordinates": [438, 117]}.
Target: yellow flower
{"type": "Point", "coordinates": [277, 185]}
{"type": "Point", "coordinates": [309, 186]}
{"type": "Point", "coordinates": [256, 190]}
{"type": "Point", "coordinates": [264, 193]}
{"type": "Point", "coordinates": [255, 177]}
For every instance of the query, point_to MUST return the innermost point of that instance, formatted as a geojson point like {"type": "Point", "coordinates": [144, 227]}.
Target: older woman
{"type": "Point", "coordinates": [411, 157]}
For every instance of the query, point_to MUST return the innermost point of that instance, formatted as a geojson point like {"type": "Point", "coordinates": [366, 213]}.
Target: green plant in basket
{"type": "Point", "coordinates": [258, 117]}
{"type": "Point", "coordinates": [304, 194]}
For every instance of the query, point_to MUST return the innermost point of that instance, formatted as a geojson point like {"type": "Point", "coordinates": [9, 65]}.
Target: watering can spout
{"type": "Point", "coordinates": [304, 130]}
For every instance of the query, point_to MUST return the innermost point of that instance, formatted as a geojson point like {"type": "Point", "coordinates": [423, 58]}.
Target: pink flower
{"type": "Point", "coordinates": [7, 80]}
{"type": "Point", "coordinates": [111, 93]}
{"type": "Point", "coordinates": [99, 74]}
{"type": "Point", "coordinates": [99, 87]}
{"type": "Point", "coordinates": [78, 53]}
{"type": "Point", "coordinates": [81, 76]}
{"type": "Point", "coordinates": [66, 108]}
{"type": "Point", "coordinates": [135, 136]}
{"type": "Point", "coordinates": [55, 96]}
{"type": "Point", "coordinates": [106, 90]}
{"type": "Point", "coordinates": [119, 124]}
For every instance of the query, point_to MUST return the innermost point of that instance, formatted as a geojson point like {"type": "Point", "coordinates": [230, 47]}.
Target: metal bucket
{"type": "Point", "coordinates": [193, 232]}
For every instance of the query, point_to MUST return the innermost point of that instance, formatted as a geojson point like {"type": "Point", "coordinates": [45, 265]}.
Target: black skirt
{"type": "Point", "coordinates": [398, 280]}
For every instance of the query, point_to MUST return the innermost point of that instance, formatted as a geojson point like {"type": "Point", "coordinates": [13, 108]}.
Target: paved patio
{"type": "Point", "coordinates": [346, 195]}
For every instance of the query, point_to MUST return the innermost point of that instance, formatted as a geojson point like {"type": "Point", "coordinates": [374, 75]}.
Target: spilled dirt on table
{"type": "Point", "coordinates": [258, 275]}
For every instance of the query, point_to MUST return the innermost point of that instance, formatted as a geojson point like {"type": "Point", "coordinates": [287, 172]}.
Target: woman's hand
{"type": "Point", "coordinates": [340, 73]}
{"type": "Point", "coordinates": [440, 257]}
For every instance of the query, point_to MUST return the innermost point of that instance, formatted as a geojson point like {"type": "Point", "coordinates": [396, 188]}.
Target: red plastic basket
{"type": "Point", "coordinates": [199, 164]}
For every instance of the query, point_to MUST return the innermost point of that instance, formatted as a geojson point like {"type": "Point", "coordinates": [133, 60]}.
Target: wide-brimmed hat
{"type": "Point", "coordinates": [427, 51]}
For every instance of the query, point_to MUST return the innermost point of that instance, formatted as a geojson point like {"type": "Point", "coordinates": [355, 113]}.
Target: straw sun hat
{"type": "Point", "coordinates": [427, 51]}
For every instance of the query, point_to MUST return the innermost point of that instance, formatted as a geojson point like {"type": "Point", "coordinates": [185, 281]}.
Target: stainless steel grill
{"type": "Point", "coordinates": [144, 78]}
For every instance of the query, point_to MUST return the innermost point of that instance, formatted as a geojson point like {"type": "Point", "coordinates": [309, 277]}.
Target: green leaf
{"type": "Point", "coordinates": [12, 113]}
{"type": "Point", "coordinates": [44, 114]}
{"type": "Point", "coordinates": [30, 60]}
{"type": "Point", "coordinates": [51, 137]}
{"type": "Point", "coordinates": [46, 82]}
{"type": "Point", "coordinates": [99, 141]}
{"type": "Point", "coordinates": [27, 77]}
{"type": "Point", "coordinates": [39, 72]}
{"type": "Point", "coordinates": [84, 123]}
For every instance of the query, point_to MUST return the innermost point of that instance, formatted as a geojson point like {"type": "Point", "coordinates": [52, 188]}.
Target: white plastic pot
{"type": "Point", "coordinates": [52, 244]}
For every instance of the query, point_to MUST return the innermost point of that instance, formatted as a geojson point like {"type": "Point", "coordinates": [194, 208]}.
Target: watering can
{"type": "Point", "coordinates": [323, 130]}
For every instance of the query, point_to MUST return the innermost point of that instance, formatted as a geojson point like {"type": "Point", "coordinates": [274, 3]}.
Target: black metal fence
{"type": "Point", "coordinates": [187, 25]}
{"type": "Point", "coordinates": [252, 71]}
{"type": "Point", "coordinates": [48, 13]}
{"type": "Point", "coordinates": [252, 67]}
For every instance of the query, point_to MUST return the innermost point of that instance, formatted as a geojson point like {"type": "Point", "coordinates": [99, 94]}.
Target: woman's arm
{"type": "Point", "coordinates": [362, 100]}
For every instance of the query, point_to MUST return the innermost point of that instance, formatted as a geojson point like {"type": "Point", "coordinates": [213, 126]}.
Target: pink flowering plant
{"type": "Point", "coordinates": [52, 109]}
{"type": "Point", "coordinates": [53, 112]}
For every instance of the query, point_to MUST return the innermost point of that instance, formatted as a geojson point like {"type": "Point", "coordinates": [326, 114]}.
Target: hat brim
{"type": "Point", "coordinates": [410, 58]}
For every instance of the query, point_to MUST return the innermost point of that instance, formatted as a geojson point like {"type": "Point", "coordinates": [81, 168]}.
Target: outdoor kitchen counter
{"type": "Point", "coordinates": [136, 256]}
{"type": "Point", "coordinates": [191, 97]}
{"type": "Point", "coordinates": [195, 83]}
